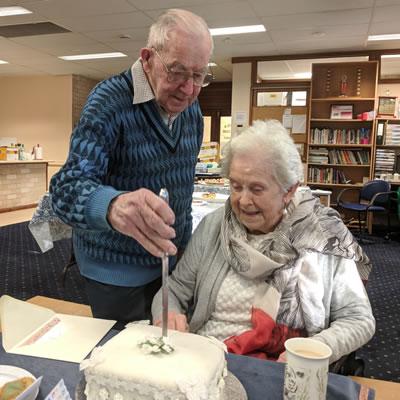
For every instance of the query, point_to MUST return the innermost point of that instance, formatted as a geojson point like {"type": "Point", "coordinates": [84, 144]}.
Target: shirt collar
{"type": "Point", "coordinates": [142, 91]}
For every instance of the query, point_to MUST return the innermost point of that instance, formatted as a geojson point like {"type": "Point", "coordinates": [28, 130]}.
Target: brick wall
{"type": "Point", "coordinates": [81, 87]}
{"type": "Point", "coordinates": [21, 184]}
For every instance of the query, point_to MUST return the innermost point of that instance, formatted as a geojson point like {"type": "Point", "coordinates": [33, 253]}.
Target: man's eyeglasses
{"type": "Point", "coordinates": [180, 77]}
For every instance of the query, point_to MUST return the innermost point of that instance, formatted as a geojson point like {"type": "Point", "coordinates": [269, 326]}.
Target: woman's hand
{"type": "Point", "coordinates": [176, 322]}
{"type": "Point", "coordinates": [282, 357]}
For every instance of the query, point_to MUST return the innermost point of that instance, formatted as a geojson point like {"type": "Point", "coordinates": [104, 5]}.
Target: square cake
{"type": "Point", "coordinates": [123, 369]}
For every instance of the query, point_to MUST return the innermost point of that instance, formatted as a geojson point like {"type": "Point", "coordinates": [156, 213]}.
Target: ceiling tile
{"type": "Point", "coordinates": [330, 32]}
{"type": "Point", "coordinates": [385, 14]}
{"type": "Point", "coordinates": [219, 14]}
{"type": "Point", "coordinates": [318, 20]}
{"type": "Point", "coordinates": [165, 4]}
{"type": "Point", "coordinates": [104, 22]}
{"type": "Point", "coordinates": [287, 7]}
{"type": "Point", "coordinates": [317, 45]}
{"type": "Point", "coordinates": [381, 28]}
{"type": "Point", "coordinates": [79, 8]}
{"type": "Point", "coordinates": [113, 35]}
{"type": "Point", "coordinates": [98, 24]}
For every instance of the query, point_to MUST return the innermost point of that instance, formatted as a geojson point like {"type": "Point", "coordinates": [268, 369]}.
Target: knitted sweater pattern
{"type": "Point", "coordinates": [119, 147]}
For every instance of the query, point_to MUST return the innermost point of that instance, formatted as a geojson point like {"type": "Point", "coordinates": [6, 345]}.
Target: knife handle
{"type": "Point", "coordinates": [164, 195]}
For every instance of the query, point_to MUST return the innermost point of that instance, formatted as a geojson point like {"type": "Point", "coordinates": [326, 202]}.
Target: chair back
{"type": "Point", "coordinates": [371, 188]}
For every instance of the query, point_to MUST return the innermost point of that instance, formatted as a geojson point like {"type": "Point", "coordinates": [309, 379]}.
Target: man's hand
{"type": "Point", "coordinates": [177, 322]}
{"type": "Point", "coordinates": [145, 217]}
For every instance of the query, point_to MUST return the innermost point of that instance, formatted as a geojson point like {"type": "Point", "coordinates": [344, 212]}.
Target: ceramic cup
{"type": "Point", "coordinates": [306, 370]}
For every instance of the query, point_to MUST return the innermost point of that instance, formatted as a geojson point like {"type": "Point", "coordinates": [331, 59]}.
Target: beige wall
{"type": "Point", "coordinates": [241, 85]}
{"type": "Point", "coordinates": [38, 110]}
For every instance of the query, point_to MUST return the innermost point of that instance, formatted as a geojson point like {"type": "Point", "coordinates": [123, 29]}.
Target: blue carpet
{"type": "Point", "coordinates": [26, 272]}
{"type": "Point", "coordinates": [382, 353]}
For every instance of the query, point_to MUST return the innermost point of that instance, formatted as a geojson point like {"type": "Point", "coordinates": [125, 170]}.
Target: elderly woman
{"type": "Point", "coordinates": [273, 263]}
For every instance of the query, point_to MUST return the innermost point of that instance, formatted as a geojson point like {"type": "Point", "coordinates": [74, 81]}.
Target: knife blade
{"type": "Point", "coordinates": [165, 269]}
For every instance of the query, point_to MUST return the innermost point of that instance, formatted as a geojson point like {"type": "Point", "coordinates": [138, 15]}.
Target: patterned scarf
{"type": "Point", "coordinates": [307, 226]}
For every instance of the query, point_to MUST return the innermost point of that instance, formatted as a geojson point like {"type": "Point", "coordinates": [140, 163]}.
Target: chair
{"type": "Point", "coordinates": [373, 197]}
{"type": "Point", "coordinates": [349, 364]}
{"type": "Point", "coordinates": [71, 263]}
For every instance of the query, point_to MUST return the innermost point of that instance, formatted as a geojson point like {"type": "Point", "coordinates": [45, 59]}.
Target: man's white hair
{"type": "Point", "coordinates": [176, 18]}
{"type": "Point", "coordinates": [272, 141]}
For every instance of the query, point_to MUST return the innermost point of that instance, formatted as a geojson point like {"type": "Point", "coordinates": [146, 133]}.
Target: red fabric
{"type": "Point", "coordinates": [266, 339]}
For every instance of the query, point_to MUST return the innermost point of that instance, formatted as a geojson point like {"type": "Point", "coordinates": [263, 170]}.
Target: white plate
{"type": "Point", "coordinates": [219, 197]}
{"type": "Point", "coordinates": [10, 373]}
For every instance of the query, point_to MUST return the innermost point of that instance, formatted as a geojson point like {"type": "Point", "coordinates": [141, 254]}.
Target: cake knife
{"type": "Point", "coordinates": [165, 269]}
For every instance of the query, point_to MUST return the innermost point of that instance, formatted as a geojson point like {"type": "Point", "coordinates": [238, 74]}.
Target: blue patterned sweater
{"type": "Point", "coordinates": [118, 147]}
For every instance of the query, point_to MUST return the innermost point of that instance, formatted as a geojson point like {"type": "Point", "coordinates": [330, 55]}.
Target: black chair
{"type": "Point", "coordinates": [374, 197]}
{"type": "Point", "coordinates": [348, 365]}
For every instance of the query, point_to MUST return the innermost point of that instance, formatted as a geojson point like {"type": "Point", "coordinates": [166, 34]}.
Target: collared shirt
{"type": "Point", "coordinates": [142, 92]}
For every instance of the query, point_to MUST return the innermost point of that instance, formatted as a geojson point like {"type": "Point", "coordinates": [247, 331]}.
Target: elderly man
{"type": "Point", "coordinates": [139, 131]}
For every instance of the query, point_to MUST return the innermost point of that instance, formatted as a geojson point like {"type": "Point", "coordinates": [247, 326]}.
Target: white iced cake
{"type": "Point", "coordinates": [123, 370]}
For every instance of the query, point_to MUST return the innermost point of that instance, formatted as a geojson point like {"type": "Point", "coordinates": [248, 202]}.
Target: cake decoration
{"type": "Point", "coordinates": [103, 394]}
{"type": "Point", "coordinates": [156, 345]}
{"type": "Point", "coordinates": [95, 358]}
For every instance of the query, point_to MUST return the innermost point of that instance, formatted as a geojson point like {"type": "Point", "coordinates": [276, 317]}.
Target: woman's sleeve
{"type": "Point", "coordinates": [351, 321]}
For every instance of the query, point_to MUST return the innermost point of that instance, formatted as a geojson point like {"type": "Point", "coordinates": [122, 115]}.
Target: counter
{"type": "Point", "coordinates": [22, 183]}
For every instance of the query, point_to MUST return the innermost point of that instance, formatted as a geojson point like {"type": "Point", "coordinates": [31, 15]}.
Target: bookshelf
{"type": "Point", "coordinates": [387, 148]}
{"type": "Point", "coordinates": [341, 141]}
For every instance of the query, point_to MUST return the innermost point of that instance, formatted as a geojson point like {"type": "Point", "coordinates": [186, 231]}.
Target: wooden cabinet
{"type": "Point", "coordinates": [340, 149]}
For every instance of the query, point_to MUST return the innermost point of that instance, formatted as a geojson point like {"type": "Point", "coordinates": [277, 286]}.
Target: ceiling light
{"type": "Point", "coordinates": [303, 75]}
{"type": "Point", "coordinates": [234, 30]}
{"type": "Point", "coordinates": [93, 56]}
{"type": "Point", "coordinates": [7, 11]}
{"type": "Point", "coordinates": [3, 62]}
{"type": "Point", "coordinates": [211, 64]}
{"type": "Point", "coordinates": [390, 56]}
{"type": "Point", "coordinates": [392, 36]}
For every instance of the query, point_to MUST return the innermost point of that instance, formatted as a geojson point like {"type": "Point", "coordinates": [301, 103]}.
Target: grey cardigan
{"type": "Point", "coordinates": [194, 286]}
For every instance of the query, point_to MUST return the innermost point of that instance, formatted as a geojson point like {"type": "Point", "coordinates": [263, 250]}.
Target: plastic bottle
{"type": "Point", "coordinates": [38, 152]}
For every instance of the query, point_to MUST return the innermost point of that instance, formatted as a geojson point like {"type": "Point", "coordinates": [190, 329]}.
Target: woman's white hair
{"type": "Point", "coordinates": [272, 140]}
{"type": "Point", "coordinates": [173, 18]}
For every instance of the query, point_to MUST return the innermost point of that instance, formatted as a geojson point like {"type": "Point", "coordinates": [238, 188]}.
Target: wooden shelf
{"type": "Point", "coordinates": [388, 146]}
{"type": "Point", "coordinates": [341, 165]}
{"type": "Point", "coordinates": [349, 185]}
{"type": "Point", "coordinates": [388, 119]}
{"type": "Point", "coordinates": [339, 120]}
{"type": "Point", "coordinates": [360, 85]}
{"type": "Point", "coordinates": [344, 99]}
{"type": "Point", "coordinates": [339, 145]}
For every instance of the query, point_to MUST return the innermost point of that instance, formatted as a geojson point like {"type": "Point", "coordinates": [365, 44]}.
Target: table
{"type": "Point", "coordinates": [254, 374]}
{"type": "Point", "coordinates": [262, 380]}
{"type": "Point", "coordinates": [384, 390]}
